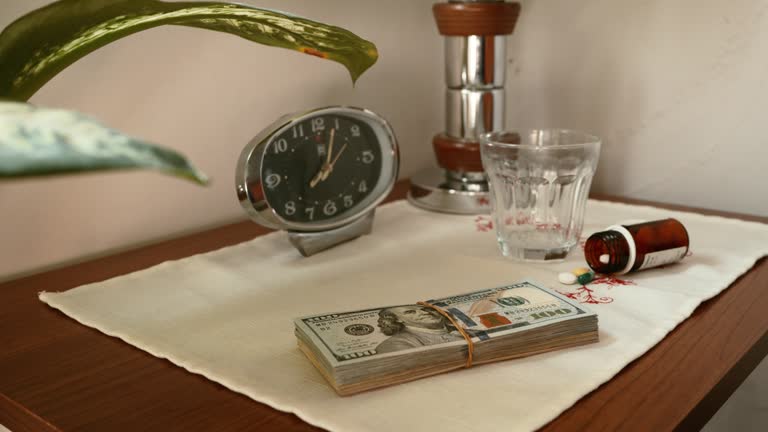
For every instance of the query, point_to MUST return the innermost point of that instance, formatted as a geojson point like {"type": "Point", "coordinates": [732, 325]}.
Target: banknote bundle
{"type": "Point", "coordinates": [366, 349]}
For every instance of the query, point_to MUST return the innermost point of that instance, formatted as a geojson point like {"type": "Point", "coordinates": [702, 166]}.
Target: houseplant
{"type": "Point", "coordinates": [37, 141]}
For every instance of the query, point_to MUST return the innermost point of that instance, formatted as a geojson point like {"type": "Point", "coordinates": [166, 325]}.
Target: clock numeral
{"type": "Point", "coordinates": [355, 130]}
{"type": "Point", "coordinates": [348, 201]}
{"type": "Point", "coordinates": [336, 123]}
{"type": "Point", "coordinates": [330, 208]}
{"type": "Point", "coordinates": [311, 212]}
{"type": "Point", "coordinates": [362, 187]}
{"type": "Point", "coordinates": [290, 208]}
{"type": "Point", "coordinates": [368, 157]}
{"type": "Point", "coordinates": [298, 131]}
{"type": "Point", "coordinates": [318, 124]}
{"type": "Point", "coordinates": [272, 180]}
{"type": "Point", "coordinates": [281, 146]}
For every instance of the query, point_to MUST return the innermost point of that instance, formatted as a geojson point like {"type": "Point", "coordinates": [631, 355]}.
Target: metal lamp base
{"type": "Point", "coordinates": [449, 192]}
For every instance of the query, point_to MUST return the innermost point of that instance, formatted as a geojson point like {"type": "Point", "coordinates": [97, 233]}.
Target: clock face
{"type": "Point", "coordinates": [323, 167]}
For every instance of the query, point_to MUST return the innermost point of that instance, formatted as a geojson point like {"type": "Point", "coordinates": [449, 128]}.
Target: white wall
{"type": "Point", "coordinates": [675, 88]}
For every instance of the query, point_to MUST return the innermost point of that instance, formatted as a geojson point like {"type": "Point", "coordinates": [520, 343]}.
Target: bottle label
{"type": "Point", "coordinates": [661, 258]}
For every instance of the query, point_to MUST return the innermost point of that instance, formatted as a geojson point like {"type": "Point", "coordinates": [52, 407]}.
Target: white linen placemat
{"type": "Point", "coordinates": [227, 314]}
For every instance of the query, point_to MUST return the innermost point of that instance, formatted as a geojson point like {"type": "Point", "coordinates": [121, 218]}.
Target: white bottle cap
{"type": "Point", "coordinates": [632, 248]}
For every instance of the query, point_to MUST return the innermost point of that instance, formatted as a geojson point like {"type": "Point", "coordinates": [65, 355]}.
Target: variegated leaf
{"type": "Point", "coordinates": [37, 46]}
{"type": "Point", "coordinates": [38, 141]}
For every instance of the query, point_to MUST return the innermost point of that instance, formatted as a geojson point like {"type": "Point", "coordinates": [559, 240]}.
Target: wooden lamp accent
{"type": "Point", "coordinates": [457, 155]}
{"type": "Point", "coordinates": [478, 18]}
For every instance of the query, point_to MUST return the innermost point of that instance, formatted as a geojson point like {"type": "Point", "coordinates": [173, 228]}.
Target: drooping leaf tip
{"type": "Point", "coordinates": [197, 176]}
{"type": "Point", "coordinates": [373, 56]}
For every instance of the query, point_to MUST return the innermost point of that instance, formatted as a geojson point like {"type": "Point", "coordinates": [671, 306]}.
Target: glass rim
{"type": "Point", "coordinates": [586, 139]}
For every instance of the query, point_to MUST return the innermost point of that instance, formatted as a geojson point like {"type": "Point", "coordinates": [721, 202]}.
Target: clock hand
{"type": "Point", "coordinates": [319, 176]}
{"type": "Point", "coordinates": [330, 149]}
{"type": "Point", "coordinates": [338, 154]}
{"type": "Point", "coordinates": [328, 171]}
{"type": "Point", "coordinates": [322, 174]}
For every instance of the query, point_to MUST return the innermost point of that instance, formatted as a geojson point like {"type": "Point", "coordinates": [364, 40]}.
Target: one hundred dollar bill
{"type": "Point", "coordinates": [349, 337]}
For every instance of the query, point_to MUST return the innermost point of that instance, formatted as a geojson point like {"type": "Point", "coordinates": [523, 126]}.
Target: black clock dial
{"type": "Point", "coordinates": [321, 168]}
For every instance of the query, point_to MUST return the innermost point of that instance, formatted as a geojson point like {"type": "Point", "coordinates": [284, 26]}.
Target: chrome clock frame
{"type": "Point", "coordinates": [311, 237]}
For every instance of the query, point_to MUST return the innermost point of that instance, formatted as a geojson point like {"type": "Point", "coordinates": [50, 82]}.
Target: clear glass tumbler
{"type": "Point", "coordinates": [539, 181]}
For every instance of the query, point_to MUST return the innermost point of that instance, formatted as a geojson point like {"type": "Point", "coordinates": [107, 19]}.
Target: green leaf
{"type": "Point", "coordinates": [37, 46]}
{"type": "Point", "coordinates": [39, 141]}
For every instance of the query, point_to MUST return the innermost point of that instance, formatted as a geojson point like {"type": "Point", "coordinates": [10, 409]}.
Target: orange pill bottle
{"type": "Point", "coordinates": [622, 249]}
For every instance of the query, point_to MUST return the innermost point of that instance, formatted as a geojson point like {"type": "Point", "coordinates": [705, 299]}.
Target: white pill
{"type": "Point", "coordinates": [605, 258]}
{"type": "Point", "coordinates": [567, 278]}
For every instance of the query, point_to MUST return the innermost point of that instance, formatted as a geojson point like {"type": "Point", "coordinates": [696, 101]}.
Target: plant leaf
{"type": "Point", "coordinates": [39, 141]}
{"type": "Point", "coordinates": [37, 46]}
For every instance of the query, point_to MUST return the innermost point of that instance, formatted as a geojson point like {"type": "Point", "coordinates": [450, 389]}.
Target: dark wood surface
{"type": "Point", "coordinates": [57, 375]}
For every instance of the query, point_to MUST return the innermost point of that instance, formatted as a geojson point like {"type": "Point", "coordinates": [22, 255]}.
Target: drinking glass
{"type": "Point", "coordinates": [539, 181]}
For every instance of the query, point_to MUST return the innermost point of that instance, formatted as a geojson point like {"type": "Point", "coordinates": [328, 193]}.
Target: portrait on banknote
{"type": "Point", "coordinates": [413, 326]}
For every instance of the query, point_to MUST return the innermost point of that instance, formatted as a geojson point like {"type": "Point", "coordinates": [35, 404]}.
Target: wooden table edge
{"type": "Point", "coordinates": [711, 403]}
{"type": "Point", "coordinates": [18, 418]}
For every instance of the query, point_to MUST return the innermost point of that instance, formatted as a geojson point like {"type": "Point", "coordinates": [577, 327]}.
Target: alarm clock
{"type": "Point", "coordinates": [319, 175]}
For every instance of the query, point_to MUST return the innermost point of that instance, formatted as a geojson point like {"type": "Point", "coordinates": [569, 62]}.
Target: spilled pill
{"type": "Point", "coordinates": [567, 278]}
{"type": "Point", "coordinates": [585, 278]}
{"type": "Point", "coordinates": [581, 275]}
{"type": "Point", "coordinates": [580, 271]}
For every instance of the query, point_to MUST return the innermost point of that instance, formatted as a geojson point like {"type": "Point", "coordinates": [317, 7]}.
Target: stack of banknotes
{"type": "Point", "coordinates": [366, 349]}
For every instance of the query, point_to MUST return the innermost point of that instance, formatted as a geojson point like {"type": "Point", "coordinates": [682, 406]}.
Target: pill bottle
{"type": "Point", "coordinates": [622, 249]}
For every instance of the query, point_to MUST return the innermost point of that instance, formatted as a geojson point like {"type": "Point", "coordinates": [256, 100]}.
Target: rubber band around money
{"type": "Point", "coordinates": [467, 337]}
